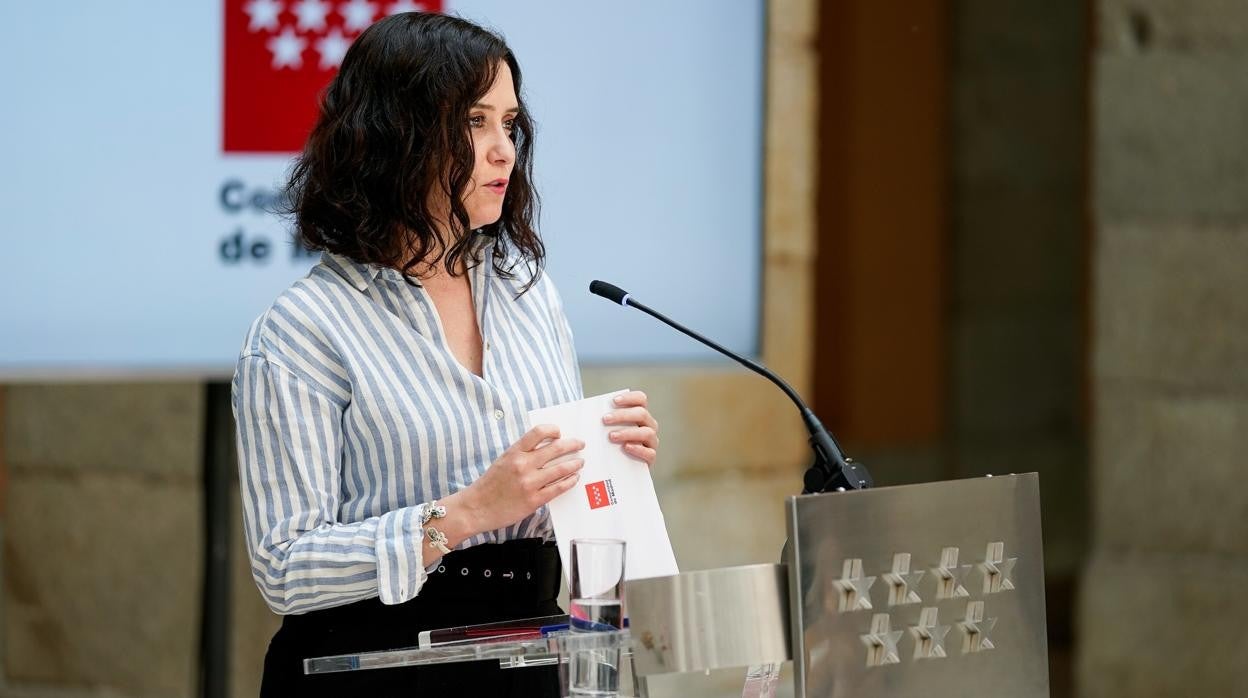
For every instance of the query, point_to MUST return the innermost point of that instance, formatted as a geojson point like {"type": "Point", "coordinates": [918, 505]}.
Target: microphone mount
{"type": "Point", "coordinates": [831, 470]}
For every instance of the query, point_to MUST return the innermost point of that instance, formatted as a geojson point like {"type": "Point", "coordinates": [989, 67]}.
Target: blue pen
{"type": "Point", "coordinates": [547, 630]}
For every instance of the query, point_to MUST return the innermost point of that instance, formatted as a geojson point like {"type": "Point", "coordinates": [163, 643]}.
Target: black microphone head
{"type": "Point", "coordinates": [611, 292]}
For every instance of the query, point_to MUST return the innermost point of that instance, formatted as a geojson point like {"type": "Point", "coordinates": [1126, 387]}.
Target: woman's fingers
{"type": "Point", "coordinates": [535, 436]}
{"type": "Point", "coordinates": [640, 439]}
{"type": "Point", "coordinates": [631, 415]}
{"type": "Point", "coordinates": [642, 453]}
{"type": "Point", "coordinates": [555, 449]}
{"type": "Point", "coordinates": [633, 398]}
{"type": "Point", "coordinates": [553, 474]}
{"type": "Point", "coordinates": [642, 435]}
{"type": "Point", "coordinates": [558, 487]}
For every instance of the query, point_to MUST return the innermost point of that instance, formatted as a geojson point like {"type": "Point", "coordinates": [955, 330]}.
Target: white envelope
{"type": "Point", "coordinates": [614, 497]}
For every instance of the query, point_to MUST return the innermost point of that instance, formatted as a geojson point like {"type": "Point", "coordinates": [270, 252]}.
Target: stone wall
{"type": "Point", "coordinates": [1018, 241]}
{"type": "Point", "coordinates": [1018, 118]}
{"type": "Point", "coordinates": [1162, 604]}
{"type": "Point", "coordinates": [102, 537]}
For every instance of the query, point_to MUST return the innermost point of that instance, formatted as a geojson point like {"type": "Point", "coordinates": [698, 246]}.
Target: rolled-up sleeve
{"type": "Point", "coordinates": [289, 435]}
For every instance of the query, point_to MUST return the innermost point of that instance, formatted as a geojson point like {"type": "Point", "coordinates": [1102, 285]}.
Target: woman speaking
{"type": "Point", "coordinates": [388, 483]}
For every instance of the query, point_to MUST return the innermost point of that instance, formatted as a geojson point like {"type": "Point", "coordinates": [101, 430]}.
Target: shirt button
{"type": "Point", "coordinates": [498, 414]}
{"type": "Point", "coordinates": [487, 345]}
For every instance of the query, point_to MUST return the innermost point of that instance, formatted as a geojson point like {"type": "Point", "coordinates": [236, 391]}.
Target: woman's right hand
{"type": "Point", "coordinates": [523, 478]}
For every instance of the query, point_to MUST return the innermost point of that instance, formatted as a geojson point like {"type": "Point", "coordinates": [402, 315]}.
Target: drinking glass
{"type": "Point", "coordinates": [596, 604]}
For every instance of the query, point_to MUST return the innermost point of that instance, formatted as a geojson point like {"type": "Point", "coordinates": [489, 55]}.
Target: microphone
{"type": "Point", "coordinates": [831, 470]}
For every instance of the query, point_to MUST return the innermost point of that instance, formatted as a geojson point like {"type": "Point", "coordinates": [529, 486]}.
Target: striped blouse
{"type": "Point", "coordinates": [352, 411]}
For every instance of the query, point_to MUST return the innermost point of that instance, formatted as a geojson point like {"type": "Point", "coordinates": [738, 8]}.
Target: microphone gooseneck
{"type": "Point", "coordinates": [831, 470]}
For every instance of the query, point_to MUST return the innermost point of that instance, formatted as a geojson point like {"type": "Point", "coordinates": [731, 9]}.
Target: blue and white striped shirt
{"type": "Point", "coordinates": [352, 411]}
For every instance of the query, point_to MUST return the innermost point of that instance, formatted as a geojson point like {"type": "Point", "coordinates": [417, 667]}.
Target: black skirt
{"type": "Point", "coordinates": [482, 584]}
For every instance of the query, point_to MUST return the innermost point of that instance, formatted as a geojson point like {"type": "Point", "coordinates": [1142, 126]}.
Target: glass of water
{"type": "Point", "coordinates": [596, 604]}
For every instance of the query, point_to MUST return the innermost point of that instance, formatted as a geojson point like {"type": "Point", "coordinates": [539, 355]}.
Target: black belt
{"type": "Point", "coordinates": [520, 569]}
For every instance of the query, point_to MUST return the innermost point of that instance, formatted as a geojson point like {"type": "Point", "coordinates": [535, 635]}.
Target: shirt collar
{"type": "Point", "coordinates": [358, 274]}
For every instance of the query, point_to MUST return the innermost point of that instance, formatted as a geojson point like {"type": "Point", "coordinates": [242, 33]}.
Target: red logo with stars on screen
{"type": "Point", "coordinates": [279, 55]}
{"type": "Point", "coordinates": [600, 494]}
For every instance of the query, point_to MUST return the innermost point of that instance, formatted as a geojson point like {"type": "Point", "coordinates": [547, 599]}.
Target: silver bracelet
{"type": "Point", "coordinates": [431, 510]}
{"type": "Point", "coordinates": [437, 539]}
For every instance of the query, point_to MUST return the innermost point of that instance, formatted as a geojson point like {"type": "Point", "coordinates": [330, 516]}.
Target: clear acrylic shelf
{"type": "Point", "coordinates": [520, 650]}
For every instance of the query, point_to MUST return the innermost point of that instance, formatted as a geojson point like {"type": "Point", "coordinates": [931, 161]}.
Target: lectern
{"type": "Point", "coordinates": [927, 590]}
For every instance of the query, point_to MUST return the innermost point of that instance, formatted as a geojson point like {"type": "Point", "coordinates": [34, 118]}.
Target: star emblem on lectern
{"type": "Point", "coordinates": [975, 629]}
{"type": "Point", "coordinates": [854, 590]}
{"type": "Point", "coordinates": [949, 575]}
{"type": "Point", "coordinates": [881, 641]}
{"type": "Point", "coordinates": [997, 569]}
{"type": "Point", "coordinates": [929, 635]}
{"type": "Point", "coordinates": [902, 581]}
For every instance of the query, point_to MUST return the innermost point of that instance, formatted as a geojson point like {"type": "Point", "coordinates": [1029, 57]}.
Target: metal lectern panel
{"type": "Point", "coordinates": [710, 619]}
{"type": "Point", "coordinates": [927, 590]}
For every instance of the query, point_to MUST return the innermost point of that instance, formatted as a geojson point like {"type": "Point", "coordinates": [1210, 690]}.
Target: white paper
{"type": "Point", "coordinates": [614, 497]}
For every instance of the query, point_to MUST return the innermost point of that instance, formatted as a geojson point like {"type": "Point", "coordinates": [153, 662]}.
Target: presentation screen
{"type": "Point", "coordinates": [144, 145]}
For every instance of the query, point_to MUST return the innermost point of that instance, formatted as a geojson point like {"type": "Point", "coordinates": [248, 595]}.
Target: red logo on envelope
{"type": "Point", "coordinates": [600, 494]}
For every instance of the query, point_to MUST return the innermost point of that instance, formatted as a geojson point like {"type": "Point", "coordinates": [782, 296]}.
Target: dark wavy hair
{"type": "Point", "coordinates": [393, 127]}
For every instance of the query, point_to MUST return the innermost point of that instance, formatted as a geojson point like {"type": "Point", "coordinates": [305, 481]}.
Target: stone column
{"type": "Point", "coordinates": [1163, 598]}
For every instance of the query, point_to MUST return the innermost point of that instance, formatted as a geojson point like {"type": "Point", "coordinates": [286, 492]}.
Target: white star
{"type": "Point", "coordinates": [902, 581]}
{"type": "Point", "coordinates": [929, 635]}
{"type": "Point", "coordinates": [949, 574]}
{"type": "Point", "coordinates": [976, 628]}
{"type": "Point", "coordinates": [287, 49]}
{"type": "Point", "coordinates": [855, 589]}
{"type": "Point", "coordinates": [263, 14]}
{"type": "Point", "coordinates": [881, 641]}
{"type": "Point", "coordinates": [357, 14]}
{"type": "Point", "coordinates": [405, 6]}
{"type": "Point", "coordinates": [332, 48]}
{"type": "Point", "coordinates": [997, 569]}
{"type": "Point", "coordinates": [311, 14]}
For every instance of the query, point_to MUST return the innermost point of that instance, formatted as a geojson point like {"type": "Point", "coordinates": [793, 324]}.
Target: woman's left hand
{"type": "Point", "coordinates": [640, 433]}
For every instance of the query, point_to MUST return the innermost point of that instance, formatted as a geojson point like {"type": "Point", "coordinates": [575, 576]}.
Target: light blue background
{"type": "Point", "coordinates": [648, 161]}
